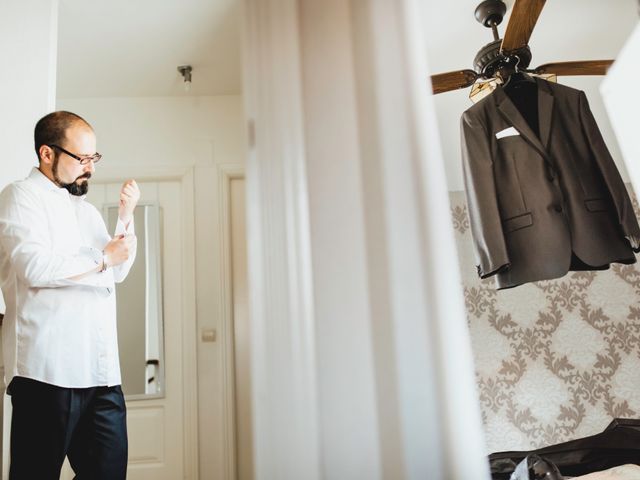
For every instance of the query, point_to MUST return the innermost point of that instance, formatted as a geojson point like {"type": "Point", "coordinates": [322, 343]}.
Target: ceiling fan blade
{"type": "Point", "coordinates": [443, 82]}
{"type": "Point", "coordinates": [587, 67]}
{"type": "Point", "coordinates": [523, 18]}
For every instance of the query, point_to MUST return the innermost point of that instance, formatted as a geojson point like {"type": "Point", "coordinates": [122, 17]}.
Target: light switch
{"type": "Point", "coordinates": [208, 334]}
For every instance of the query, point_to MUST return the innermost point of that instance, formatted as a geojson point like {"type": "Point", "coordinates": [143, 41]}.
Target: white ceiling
{"type": "Point", "coordinates": [133, 47]}
{"type": "Point", "coordinates": [122, 48]}
{"type": "Point", "coordinates": [566, 30]}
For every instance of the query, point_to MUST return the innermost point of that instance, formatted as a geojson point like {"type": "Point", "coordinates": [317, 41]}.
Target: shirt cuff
{"type": "Point", "coordinates": [122, 230]}
{"type": "Point", "coordinates": [95, 279]}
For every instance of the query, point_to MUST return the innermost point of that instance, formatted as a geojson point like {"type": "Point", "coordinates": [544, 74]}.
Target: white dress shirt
{"type": "Point", "coordinates": [56, 330]}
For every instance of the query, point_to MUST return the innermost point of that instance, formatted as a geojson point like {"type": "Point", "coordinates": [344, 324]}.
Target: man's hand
{"type": "Point", "coordinates": [119, 249]}
{"type": "Point", "coordinates": [129, 196]}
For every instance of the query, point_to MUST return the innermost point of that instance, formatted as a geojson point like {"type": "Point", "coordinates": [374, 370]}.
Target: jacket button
{"type": "Point", "coordinates": [557, 208]}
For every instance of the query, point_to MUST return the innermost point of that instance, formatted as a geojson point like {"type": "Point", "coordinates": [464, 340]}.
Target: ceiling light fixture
{"type": "Point", "coordinates": [185, 71]}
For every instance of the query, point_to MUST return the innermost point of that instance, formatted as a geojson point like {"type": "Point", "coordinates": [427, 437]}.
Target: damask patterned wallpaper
{"type": "Point", "coordinates": [555, 360]}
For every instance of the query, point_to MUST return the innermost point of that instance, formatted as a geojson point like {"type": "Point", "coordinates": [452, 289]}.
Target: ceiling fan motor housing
{"type": "Point", "coordinates": [490, 58]}
{"type": "Point", "coordinates": [490, 11]}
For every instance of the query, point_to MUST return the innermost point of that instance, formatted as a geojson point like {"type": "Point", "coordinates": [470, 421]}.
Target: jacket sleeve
{"type": "Point", "coordinates": [619, 195]}
{"type": "Point", "coordinates": [484, 216]}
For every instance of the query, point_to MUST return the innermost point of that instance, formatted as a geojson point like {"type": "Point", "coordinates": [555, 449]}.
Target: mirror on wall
{"type": "Point", "coordinates": [139, 308]}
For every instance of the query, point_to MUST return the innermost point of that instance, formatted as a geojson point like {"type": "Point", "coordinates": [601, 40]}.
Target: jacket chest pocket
{"type": "Point", "coordinates": [509, 141]}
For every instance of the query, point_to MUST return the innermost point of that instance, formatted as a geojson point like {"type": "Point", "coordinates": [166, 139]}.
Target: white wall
{"type": "Point", "coordinates": [156, 131]}
{"type": "Point", "coordinates": [203, 132]}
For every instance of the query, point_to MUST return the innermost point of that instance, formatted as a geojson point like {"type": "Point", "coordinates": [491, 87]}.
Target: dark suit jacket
{"type": "Point", "coordinates": [535, 200]}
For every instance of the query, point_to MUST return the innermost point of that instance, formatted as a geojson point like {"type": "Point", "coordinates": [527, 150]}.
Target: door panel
{"type": "Point", "coordinates": [155, 426]}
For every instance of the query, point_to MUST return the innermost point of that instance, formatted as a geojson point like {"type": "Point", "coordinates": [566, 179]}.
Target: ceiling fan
{"type": "Point", "coordinates": [512, 51]}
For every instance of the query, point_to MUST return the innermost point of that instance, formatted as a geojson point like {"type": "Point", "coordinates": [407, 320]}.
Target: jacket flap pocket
{"type": "Point", "coordinates": [596, 205]}
{"type": "Point", "coordinates": [516, 223]}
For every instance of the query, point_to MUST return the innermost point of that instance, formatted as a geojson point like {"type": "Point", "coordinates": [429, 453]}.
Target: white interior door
{"type": "Point", "coordinates": [155, 426]}
{"type": "Point", "coordinates": [244, 439]}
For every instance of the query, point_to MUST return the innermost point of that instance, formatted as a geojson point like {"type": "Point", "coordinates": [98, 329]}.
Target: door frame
{"type": "Point", "coordinates": [227, 173]}
{"type": "Point", "coordinates": [185, 176]}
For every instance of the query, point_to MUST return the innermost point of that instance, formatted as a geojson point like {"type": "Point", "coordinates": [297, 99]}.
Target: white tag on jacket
{"type": "Point", "coordinates": [507, 132]}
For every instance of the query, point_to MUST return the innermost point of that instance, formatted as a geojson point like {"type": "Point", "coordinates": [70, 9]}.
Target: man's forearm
{"type": "Point", "coordinates": [99, 268]}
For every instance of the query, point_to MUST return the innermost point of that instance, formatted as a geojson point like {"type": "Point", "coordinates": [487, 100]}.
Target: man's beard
{"type": "Point", "coordinates": [77, 189]}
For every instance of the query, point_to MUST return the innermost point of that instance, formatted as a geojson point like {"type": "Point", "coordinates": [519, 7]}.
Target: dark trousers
{"type": "Point", "coordinates": [88, 425]}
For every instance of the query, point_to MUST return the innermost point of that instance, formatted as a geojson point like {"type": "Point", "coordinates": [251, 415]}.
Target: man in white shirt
{"type": "Point", "coordinates": [58, 266]}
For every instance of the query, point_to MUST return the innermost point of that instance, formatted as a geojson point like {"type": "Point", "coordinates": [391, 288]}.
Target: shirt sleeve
{"type": "Point", "coordinates": [23, 236]}
{"type": "Point", "coordinates": [121, 271]}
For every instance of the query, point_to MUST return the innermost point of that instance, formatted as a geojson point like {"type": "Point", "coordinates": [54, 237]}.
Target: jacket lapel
{"type": "Point", "coordinates": [545, 110]}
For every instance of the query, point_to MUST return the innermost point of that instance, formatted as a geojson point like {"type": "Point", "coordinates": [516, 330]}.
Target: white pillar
{"type": "Point", "coordinates": [282, 336]}
{"type": "Point", "coordinates": [339, 90]}
{"type": "Point", "coordinates": [28, 46]}
{"type": "Point", "coordinates": [351, 399]}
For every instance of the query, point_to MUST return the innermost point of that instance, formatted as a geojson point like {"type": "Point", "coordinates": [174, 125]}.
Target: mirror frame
{"type": "Point", "coordinates": [159, 289]}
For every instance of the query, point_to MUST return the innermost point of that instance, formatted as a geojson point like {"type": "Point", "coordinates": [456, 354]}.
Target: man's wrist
{"type": "Point", "coordinates": [125, 218]}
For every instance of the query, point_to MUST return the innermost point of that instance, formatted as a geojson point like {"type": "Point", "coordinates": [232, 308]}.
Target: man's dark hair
{"type": "Point", "coordinates": [52, 128]}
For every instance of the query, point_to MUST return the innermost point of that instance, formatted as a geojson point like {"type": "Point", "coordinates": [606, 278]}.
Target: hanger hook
{"type": "Point", "coordinates": [517, 63]}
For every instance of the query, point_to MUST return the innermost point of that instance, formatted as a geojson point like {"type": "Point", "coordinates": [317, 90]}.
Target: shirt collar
{"type": "Point", "coordinates": [43, 181]}
{"type": "Point", "coordinates": [46, 183]}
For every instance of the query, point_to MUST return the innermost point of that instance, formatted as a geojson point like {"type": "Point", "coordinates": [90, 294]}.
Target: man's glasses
{"type": "Point", "coordinates": [95, 158]}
